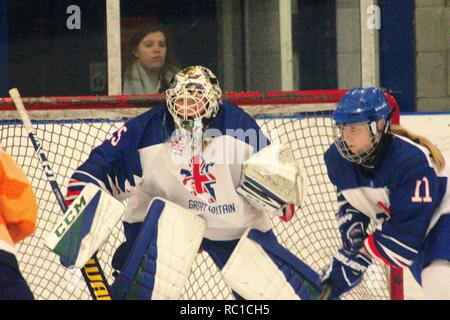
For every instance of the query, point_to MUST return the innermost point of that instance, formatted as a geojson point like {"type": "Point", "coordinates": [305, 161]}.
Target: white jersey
{"type": "Point", "coordinates": [139, 162]}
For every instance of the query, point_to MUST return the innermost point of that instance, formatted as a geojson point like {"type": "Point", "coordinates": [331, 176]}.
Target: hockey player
{"type": "Point", "coordinates": [18, 211]}
{"type": "Point", "coordinates": [191, 170]}
{"type": "Point", "coordinates": [388, 175]}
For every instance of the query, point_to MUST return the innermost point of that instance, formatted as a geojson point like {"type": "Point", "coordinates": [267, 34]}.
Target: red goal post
{"type": "Point", "coordinates": [300, 118]}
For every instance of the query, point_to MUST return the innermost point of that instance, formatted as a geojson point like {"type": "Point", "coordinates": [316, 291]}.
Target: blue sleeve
{"type": "Point", "coordinates": [232, 120]}
{"type": "Point", "coordinates": [329, 159]}
{"type": "Point", "coordinates": [114, 165]}
{"type": "Point", "coordinates": [248, 123]}
{"type": "Point", "coordinates": [413, 200]}
{"type": "Point", "coordinates": [352, 223]}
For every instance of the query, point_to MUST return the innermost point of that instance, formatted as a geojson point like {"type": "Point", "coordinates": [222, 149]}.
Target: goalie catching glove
{"type": "Point", "coordinates": [85, 226]}
{"type": "Point", "coordinates": [273, 181]}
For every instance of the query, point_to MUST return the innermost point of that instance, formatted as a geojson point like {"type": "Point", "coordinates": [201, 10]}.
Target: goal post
{"type": "Point", "coordinates": [69, 127]}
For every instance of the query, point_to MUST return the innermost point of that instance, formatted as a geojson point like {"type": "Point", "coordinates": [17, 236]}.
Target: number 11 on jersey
{"type": "Point", "coordinates": [417, 195]}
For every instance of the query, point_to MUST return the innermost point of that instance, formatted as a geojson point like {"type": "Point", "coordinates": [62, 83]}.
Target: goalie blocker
{"type": "Point", "coordinates": [85, 227]}
{"type": "Point", "coordinates": [273, 181]}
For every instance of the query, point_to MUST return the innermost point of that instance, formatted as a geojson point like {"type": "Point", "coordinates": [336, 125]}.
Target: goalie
{"type": "Point", "coordinates": [193, 183]}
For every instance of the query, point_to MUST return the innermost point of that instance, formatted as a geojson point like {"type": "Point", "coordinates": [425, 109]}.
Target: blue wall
{"type": "Point", "coordinates": [4, 81]}
{"type": "Point", "coordinates": [397, 51]}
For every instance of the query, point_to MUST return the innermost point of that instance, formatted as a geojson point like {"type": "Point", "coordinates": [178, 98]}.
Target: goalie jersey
{"type": "Point", "coordinates": [406, 197]}
{"type": "Point", "coordinates": [140, 161]}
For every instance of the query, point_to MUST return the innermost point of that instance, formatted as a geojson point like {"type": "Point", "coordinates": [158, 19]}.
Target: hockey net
{"type": "Point", "coordinates": [69, 127]}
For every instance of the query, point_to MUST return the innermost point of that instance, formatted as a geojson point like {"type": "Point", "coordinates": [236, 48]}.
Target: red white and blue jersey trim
{"type": "Point", "coordinates": [405, 198]}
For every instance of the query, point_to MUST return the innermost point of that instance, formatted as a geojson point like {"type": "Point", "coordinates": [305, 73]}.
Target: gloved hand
{"type": "Point", "coordinates": [287, 212]}
{"type": "Point", "coordinates": [345, 272]}
{"type": "Point", "coordinates": [352, 226]}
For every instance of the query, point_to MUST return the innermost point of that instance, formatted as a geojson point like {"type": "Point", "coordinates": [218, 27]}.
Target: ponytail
{"type": "Point", "coordinates": [435, 153]}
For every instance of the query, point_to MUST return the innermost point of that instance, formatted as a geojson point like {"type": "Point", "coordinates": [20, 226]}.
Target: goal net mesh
{"type": "Point", "coordinates": [68, 133]}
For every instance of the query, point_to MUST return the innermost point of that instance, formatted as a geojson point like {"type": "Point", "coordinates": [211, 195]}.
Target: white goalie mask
{"type": "Point", "coordinates": [193, 95]}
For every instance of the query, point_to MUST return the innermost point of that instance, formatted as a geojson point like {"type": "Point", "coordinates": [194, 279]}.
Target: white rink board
{"type": "Point", "coordinates": [435, 127]}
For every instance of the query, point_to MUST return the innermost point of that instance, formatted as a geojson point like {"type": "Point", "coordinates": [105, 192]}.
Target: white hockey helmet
{"type": "Point", "coordinates": [193, 95]}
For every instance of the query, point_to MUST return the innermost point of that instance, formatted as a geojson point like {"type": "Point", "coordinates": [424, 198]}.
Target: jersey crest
{"type": "Point", "coordinates": [198, 180]}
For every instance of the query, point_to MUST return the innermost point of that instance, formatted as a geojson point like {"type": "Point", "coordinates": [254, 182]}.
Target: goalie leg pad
{"type": "Point", "coordinates": [260, 268]}
{"type": "Point", "coordinates": [85, 227]}
{"type": "Point", "coordinates": [162, 255]}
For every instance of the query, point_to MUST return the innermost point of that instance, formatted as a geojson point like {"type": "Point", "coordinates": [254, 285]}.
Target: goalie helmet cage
{"type": "Point", "coordinates": [69, 127]}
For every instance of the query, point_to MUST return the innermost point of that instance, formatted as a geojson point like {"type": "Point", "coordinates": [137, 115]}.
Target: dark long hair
{"type": "Point", "coordinates": [133, 42]}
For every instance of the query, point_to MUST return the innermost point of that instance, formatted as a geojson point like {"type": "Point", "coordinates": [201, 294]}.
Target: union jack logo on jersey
{"type": "Point", "coordinates": [198, 179]}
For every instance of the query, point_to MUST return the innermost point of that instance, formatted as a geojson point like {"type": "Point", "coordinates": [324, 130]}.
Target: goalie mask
{"type": "Point", "coordinates": [358, 129]}
{"type": "Point", "coordinates": [193, 97]}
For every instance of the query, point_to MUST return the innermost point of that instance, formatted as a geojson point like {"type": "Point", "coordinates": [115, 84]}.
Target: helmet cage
{"type": "Point", "coordinates": [193, 95]}
{"type": "Point", "coordinates": [344, 150]}
{"type": "Point", "coordinates": [361, 106]}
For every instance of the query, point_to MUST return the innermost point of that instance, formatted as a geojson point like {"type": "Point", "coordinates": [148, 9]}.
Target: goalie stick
{"type": "Point", "coordinates": [326, 290]}
{"type": "Point", "coordinates": [92, 272]}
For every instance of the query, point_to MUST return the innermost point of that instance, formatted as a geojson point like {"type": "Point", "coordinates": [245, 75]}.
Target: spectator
{"type": "Point", "coordinates": [149, 63]}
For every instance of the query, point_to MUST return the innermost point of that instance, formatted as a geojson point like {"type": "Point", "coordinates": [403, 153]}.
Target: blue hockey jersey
{"type": "Point", "coordinates": [407, 198]}
{"type": "Point", "coordinates": [139, 162]}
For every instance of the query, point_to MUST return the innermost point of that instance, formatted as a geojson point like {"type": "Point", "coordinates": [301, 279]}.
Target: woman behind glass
{"type": "Point", "coordinates": [149, 63]}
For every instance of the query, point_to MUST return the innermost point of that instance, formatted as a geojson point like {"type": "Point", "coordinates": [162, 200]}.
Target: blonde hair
{"type": "Point", "coordinates": [435, 153]}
